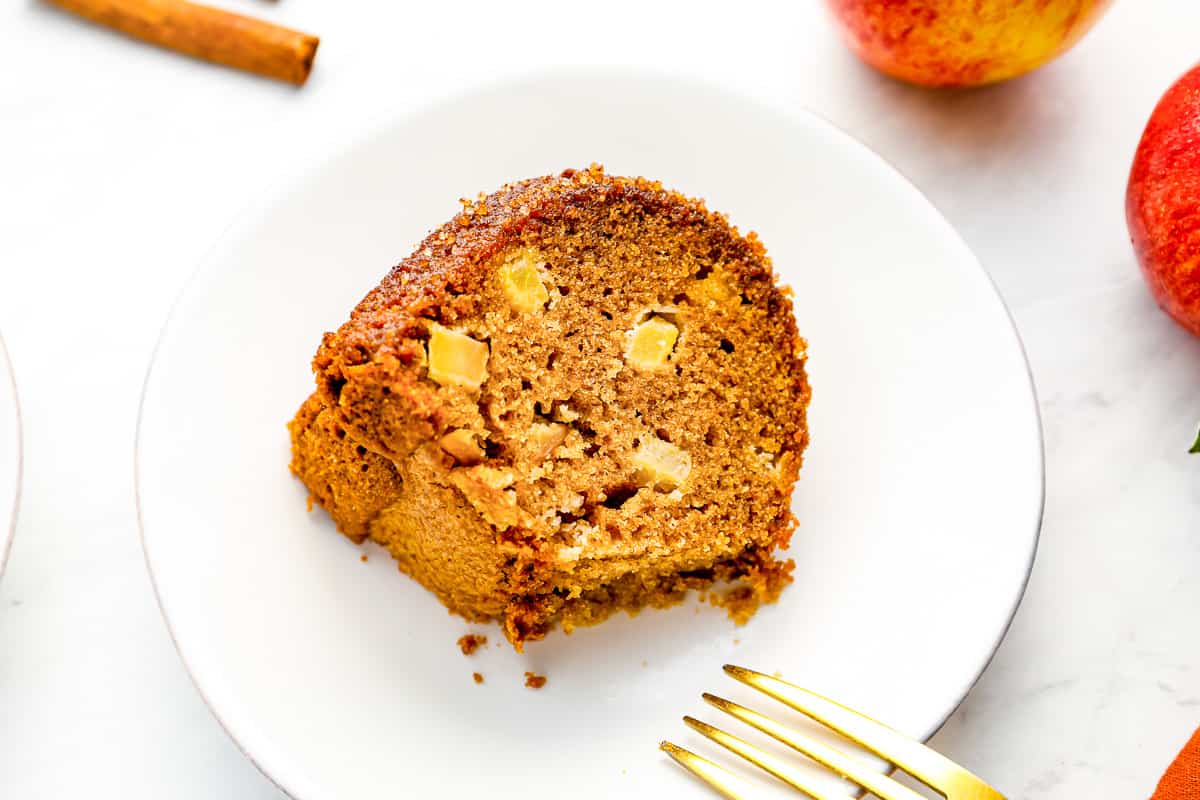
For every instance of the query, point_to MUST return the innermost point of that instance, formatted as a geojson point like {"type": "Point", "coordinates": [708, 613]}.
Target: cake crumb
{"type": "Point", "coordinates": [363, 558]}
{"type": "Point", "coordinates": [741, 601]}
{"type": "Point", "coordinates": [534, 681]}
{"type": "Point", "coordinates": [736, 642]}
{"type": "Point", "coordinates": [470, 643]}
{"type": "Point", "coordinates": [478, 678]}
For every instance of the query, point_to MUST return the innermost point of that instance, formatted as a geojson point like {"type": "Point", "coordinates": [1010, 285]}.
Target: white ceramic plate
{"type": "Point", "coordinates": [919, 501]}
{"type": "Point", "coordinates": [10, 456]}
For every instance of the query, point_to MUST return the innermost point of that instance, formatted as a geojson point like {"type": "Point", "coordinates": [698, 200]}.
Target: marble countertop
{"type": "Point", "coordinates": [120, 165]}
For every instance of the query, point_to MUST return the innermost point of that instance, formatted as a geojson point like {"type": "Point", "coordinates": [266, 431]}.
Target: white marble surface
{"type": "Point", "coordinates": [120, 164]}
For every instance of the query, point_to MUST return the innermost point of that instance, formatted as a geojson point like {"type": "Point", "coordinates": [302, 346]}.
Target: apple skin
{"type": "Point", "coordinates": [1162, 202]}
{"type": "Point", "coordinates": [962, 42]}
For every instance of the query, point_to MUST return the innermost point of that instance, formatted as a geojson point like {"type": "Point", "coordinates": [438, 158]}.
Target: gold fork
{"type": "Point", "coordinates": [935, 771]}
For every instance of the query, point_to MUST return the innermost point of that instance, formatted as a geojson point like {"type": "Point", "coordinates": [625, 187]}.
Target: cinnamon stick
{"type": "Point", "coordinates": [208, 33]}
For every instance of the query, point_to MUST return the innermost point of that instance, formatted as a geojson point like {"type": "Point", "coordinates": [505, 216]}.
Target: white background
{"type": "Point", "coordinates": [120, 164]}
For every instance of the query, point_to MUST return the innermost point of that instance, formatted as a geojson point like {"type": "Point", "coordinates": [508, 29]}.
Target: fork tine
{"type": "Point", "coordinates": [931, 768]}
{"type": "Point", "coordinates": [845, 765]}
{"type": "Point", "coordinates": [715, 776]}
{"type": "Point", "coordinates": [757, 757]}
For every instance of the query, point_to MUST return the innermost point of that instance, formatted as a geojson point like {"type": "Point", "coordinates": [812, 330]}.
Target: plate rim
{"type": "Point", "coordinates": [338, 143]}
{"type": "Point", "coordinates": [8, 379]}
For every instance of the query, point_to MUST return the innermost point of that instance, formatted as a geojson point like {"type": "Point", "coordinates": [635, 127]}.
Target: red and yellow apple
{"type": "Point", "coordinates": [1162, 202]}
{"type": "Point", "coordinates": [962, 42]}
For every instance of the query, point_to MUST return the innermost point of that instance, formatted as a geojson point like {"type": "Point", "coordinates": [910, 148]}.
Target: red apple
{"type": "Point", "coordinates": [1162, 203]}
{"type": "Point", "coordinates": [962, 42]}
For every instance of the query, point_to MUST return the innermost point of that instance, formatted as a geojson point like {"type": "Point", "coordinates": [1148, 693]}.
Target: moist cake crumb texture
{"type": "Point", "coordinates": [534, 681]}
{"type": "Point", "coordinates": [583, 394]}
{"type": "Point", "coordinates": [470, 643]}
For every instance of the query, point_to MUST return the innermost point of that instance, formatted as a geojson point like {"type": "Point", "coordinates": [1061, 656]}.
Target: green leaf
{"type": "Point", "coordinates": [1196, 446]}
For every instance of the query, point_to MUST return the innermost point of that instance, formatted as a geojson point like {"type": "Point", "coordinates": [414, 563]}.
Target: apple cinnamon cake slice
{"type": "Point", "coordinates": [582, 394]}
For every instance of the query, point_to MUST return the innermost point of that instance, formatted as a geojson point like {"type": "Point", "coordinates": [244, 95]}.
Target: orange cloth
{"type": "Point", "coordinates": [1182, 781]}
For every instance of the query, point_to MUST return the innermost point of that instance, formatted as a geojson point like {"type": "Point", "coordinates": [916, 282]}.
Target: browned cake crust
{"type": "Point", "coordinates": [582, 394]}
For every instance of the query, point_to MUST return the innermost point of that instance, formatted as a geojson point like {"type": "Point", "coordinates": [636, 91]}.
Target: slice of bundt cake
{"type": "Point", "coordinates": [584, 393]}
